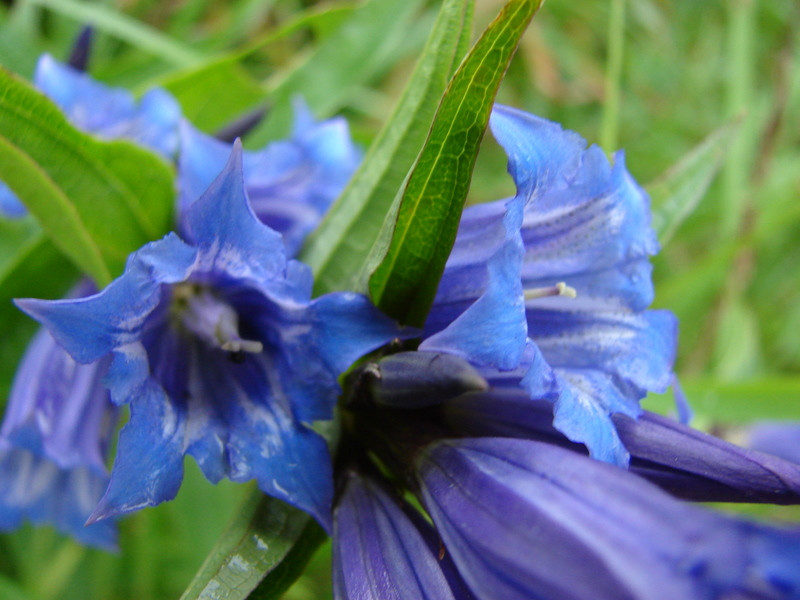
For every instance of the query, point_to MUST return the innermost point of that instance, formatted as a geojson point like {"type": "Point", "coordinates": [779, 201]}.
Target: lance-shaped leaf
{"type": "Point", "coordinates": [405, 282]}
{"type": "Point", "coordinates": [336, 250]}
{"type": "Point", "coordinates": [97, 201]}
{"type": "Point", "coordinates": [262, 552]}
{"type": "Point", "coordinates": [677, 192]}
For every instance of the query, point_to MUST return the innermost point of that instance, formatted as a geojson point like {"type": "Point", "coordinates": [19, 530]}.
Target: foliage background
{"type": "Point", "coordinates": [649, 76]}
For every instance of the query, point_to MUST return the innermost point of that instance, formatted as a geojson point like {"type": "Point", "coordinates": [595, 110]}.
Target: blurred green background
{"type": "Point", "coordinates": [655, 78]}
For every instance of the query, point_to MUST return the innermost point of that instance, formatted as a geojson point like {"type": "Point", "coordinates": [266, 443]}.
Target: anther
{"type": "Point", "coordinates": [559, 289]}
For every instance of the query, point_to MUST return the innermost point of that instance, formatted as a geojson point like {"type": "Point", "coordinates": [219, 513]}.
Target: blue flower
{"type": "Point", "coordinates": [577, 226]}
{"type": "Point", "coordinates": [109, 113]}
{"type": "Point", "coordinates": [542, 379]}
{"type": "Point", "coordinates": [290, 183]}
{"type": "Point", "coordinates": [54, 443]}
{"type": "Point", "coordinates": [220, 352]}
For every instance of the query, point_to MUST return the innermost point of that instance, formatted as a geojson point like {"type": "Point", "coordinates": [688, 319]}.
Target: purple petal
{"type": "Point", "coordinates": [777, 438]}
{"type": "Point", "coordinates": [378, 553]}
{"type": "Point", "coordinates": [687, 463]}
{"type": "Point", "coordinates": [10, 205]}
{"type": "Point", "coordinates": [59, 408]}
{"type": "Point", "coordinates": [584, 529]}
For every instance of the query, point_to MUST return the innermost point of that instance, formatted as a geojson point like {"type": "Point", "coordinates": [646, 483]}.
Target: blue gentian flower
{"type": "Point", "coordinates": [220, 352]}
{"type": "Point", "coordinates": [291, 183]}
{"type": "Point", "coordinates": [543, 379]}
{"type": "Point", "coordinates": [54, 442]}
{"type": "Point", "coordinates": [576, 226]}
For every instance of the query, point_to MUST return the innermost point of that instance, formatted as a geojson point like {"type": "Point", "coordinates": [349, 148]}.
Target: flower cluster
{"type": "Point", "coordinates": [513, 416]}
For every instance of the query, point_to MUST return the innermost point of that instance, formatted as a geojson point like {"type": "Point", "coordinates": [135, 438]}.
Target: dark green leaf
{"type": "Point", "coordinates": [405, 282]}
{"type": "Point", "coordinates": [97, 201]}
{"type": "Point", "coordinates": [336, 250]}
{"type": "Point", "coordinates": [261, 553]}
{"type": "Point", "coordinates": [677, 192]}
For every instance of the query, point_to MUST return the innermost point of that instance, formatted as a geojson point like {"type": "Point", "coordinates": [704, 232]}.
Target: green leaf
{"type": "Point", "coordinates": [336, 250]}
{"type": "Point", "coordinates": [405, 282]}
{"type": "Point", "coordinates": [676, 193]}
{"type": "Point", "coordinates": [261, 553]}
{"type": "Point", "coordinates": [214, 94]}
{"type": "Point", "coordinates": [767, 398]}
{"type": "Point", "coordinates": [346, 59]}
{"type": "Point", "coordinates": [98, 201]}
{"type": "Point", "coordinates": [125, 28]}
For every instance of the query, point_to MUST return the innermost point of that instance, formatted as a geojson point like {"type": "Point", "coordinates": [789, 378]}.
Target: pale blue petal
{"type": "Point", "coordinates": [36, 489]}
{"type": "Point", "coordinates": [89, 328]}
{"type": "Point", "coordinates": [636, 348]}
{"type": "Point", "coordinates": [59, 408]}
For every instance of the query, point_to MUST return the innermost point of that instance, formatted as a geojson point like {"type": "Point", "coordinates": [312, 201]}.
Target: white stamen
{"type": "Point", "coordinates": [559, 289]}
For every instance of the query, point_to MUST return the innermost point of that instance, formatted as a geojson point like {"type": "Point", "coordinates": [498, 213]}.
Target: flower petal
{"type": "Point", "coordinates": [148, 468]}
{"type": "Point", "coordinates": [59, 408]}
{"type": "Point", "coordinates": [35, 488]}
{"type": "Point", "coordinates": [584, 529]}
{"type": "Point", "coordinates": [582, 216]}
{"type": "Point", "coordinates": [378, 553]}
{"type": "Point", "coordinates": [230, 239]}
{"type": "Point", "coordinates": [492, 330]}
{"type": "Point", "coordinates": [687, 463]}
{"type": "Point", "coordinates": [89, 328]}
{"type": "Point", "coordinates": [110, 113]}
{"type": "Point", "coordinates": [290, 183]}
{"type": "Point", "coordinates": [10, 205]}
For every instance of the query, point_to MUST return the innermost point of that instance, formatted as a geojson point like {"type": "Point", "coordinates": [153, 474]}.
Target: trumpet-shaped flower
{"type": "Point", "coordinates": [54, 442]}
{"type": "Point", "coordinates": [220, 352]}
{"type": "Point", "coordinates": [291, 183]}
{"type": "Point", "coordinates": [509, 351]}
{"type": "Point", "coordinates": [564, 264]}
